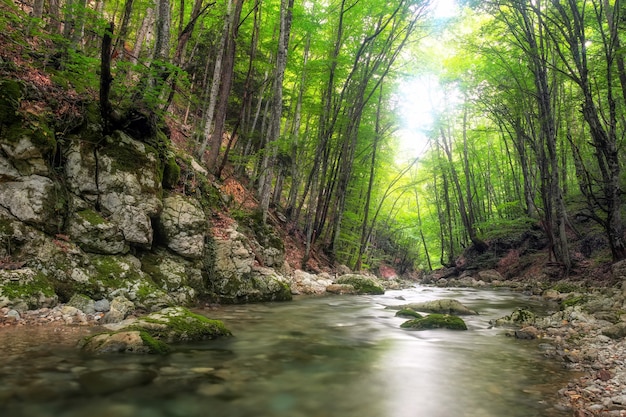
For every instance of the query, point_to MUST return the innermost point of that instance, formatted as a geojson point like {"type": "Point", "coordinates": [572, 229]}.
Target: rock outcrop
{"type": "Point", "coordinates": [104, 222]}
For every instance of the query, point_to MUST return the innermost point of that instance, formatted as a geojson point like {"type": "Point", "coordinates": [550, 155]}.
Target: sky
{"type": "Point", "coordinates": [421, 97]}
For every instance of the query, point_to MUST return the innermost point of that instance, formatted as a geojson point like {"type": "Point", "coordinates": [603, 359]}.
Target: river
{"type": "Point", "coordinates": [334, 356]}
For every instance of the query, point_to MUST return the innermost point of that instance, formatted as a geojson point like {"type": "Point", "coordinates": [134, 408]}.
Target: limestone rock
{"type": "Point", "coordinates": [123, 177]}
{"type": "Point", "coordinates": [177, 324]}
{"type": "Point", "coordinates": [490, 275]}
{"type": "Point", "coordinates": [441, 306]}
{"type": "Point", "coordinates": [258, 285]}
{"type": "Point", "coordinates": [93, 233]}
{"type": "Point", "coordinates": [32, 200]}
{"type": "Point", "coordinates": [120, 342]}
{"type": "Point", "coordinates": [520, 317]}
{"type": "Point", "coordinates": [233, 256]}
{"type": "Point", "coordinates": [304, 283]}
{"type": "Point", "coordinates": [27, 157]}
{"type": "Point", "coordinates": [24, 289]}
{"type": "Point", "coordinates": [362, 284]}
{"type": "Point", "coordinates": [82, 303]}
{"type": "Point", "coordinates": [341, 289]}
{"type": "Point", "coordinates": [135, 225]}
{"type": "Point", "coordinates": [183, 226]}
{"type": "Point", "coordinates": [150, 334]}
{"type": "Point", "coordinates": [181, 279]}
{"type": "Point", "coordinates": [119, 308]}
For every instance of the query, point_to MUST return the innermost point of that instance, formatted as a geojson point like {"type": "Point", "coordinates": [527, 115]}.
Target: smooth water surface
{"type": "Point", "coordinates": [335, 356]}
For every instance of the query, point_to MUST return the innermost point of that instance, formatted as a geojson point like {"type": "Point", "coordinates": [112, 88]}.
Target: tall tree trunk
{"type": "Point", "coordinates": [267, 172]}
{"type": "Point", "coordinates": [208, 134]}
{"type": "Point", "coordinates": [464, 209]}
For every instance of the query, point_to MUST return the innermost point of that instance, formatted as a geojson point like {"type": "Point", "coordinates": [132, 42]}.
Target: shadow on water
{"type": "Point", "coordinates": [315, 357]}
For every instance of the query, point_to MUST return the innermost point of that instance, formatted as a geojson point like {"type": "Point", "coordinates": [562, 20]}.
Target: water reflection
{"type": "Point", "coordinates": [315, 357]}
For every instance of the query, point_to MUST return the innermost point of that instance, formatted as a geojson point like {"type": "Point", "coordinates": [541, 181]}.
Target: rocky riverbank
{"type": "Point", "coordinates": [584, 330]}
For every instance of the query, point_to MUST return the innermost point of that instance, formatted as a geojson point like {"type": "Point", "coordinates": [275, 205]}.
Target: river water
{"type": "Point", "coordinates": [336, 356]}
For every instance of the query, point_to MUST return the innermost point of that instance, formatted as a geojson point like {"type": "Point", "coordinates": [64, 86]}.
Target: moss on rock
{"type": "Point", "coordinates": [154, 332]}
{"type": "Point", "coordinates": [178, 324]}
{"type": "Point", "coordinates": [171, 173]}
{"type": "Point", "coordinates": [362, 284]}
{"type": "Point", "coordinates": [11, 93]}
{"type": "Point", "coordinates": [154, 345]}
{"type": "Point", "coordinates": [435, 321]}
{"type": "Point", "coordinates": [408, 312]}
{"type": "Point", "coordinates": [573, 300]}
{"type": "Point", "coordinates": [27, 287]}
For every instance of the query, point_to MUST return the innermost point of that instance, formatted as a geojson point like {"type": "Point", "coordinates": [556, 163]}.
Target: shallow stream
{"type": "Point", "coordinates": [336, 356]}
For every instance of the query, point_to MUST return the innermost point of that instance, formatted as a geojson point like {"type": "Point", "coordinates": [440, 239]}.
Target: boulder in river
{"type": "Point", "coordinates": [441, 306]}
{"type": "Point", "coordinates": [435, 321]}
{"type": "Point", "coordinates": [152, 333]}
{"type": "Point", "coordinates": [361, 284]}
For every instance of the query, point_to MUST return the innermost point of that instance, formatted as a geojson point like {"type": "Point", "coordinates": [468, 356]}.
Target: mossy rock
{"type": "Point", "coordinates": [519, 317]}
{"type": "Point", "coordinates": [566, 287]}
{"type": "Point", "coordinates": [154, 332]}
{"type": "Point", "coordinates": [177, 324]}
{"type": "Point", "coordinates": [574, 300]}
{"type": "Point", "coordinates": [11, 93]}
{"type": "Point", "coordinates": [440, 306]}
{"type": "Point", "coordinates": [362, 284]}
{"type": "Point", "coordinates": [92, 217]}
{"type": "Point", "coordinates": [26, 288]}
{"type": "Point", "coordinates": [435, 321]}
{"type": "Point", "coordinates": [34, 129]}
{"type": "Point", "coordinates": [124, 341]}
{"type": "Point", "coordinates": [171, 173]}
{"type": "Point", "coordinates": [263, 233]}
{"type": "Point", "coordinates": [408, 312]}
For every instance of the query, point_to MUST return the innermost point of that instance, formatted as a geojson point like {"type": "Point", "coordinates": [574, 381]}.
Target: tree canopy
{"type": "Point", "coordinates": [308, 102]}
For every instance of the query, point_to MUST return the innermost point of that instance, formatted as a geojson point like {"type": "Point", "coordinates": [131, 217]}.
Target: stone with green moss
{"type": "Point", "coordinates": [171, 173]}
{"type": "Point", "coordinates": [153, 333]}
{"type": "Point", "coordinates": [440, 306]}
{"type": "Point", "coordinates": [573, 300]}
{"type": "Point", "coordinates": [124, 341]}
{"type": "Point", "coordinates": [11, 93]}
{"type": "Point", "coordinates": [435, 321]}
{"type": "Point", "coordinates": [520, 317]}
{"type": "Point", "coordinates": [361, 283]}
{"type": "Point", "coordinates": [178, 324]}
{"type": "Point", "coordinates": [408, 312]}
{"type": "Point", "coordinates": [26, 288]}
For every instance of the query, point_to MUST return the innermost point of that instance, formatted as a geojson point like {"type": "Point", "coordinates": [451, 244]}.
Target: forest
{"type": "Point", "coordinates": [309, 105]}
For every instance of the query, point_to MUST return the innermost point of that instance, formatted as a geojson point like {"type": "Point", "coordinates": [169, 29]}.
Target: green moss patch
{"type": "Point", "coordinates": [177, 324]}
{"type": "Point", "coordinates": [92, 217]}
{"type": "Point", "coordinates": [154, 345]}
{"type": "Point", "coordinates": [11, 93]}
{"type": "Point", "coordinates": [435, 321]}
{"type": "Point", "coordinates": [409, 312]}
{"type": "Point", "coordinates": [573, 300]}
{"type": "Point", "coordinates": [171, 173]}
